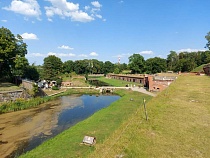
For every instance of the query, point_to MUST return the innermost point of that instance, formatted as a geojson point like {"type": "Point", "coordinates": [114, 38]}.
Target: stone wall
{"type": "Point", "coordinates": [11, 95]}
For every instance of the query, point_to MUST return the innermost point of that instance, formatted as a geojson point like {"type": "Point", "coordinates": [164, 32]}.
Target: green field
{"type": "Point", "coordinates": [178, 125]}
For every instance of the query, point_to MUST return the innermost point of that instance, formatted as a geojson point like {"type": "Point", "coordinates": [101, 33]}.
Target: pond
{"type": "Point", "coordinates": [24, 130]}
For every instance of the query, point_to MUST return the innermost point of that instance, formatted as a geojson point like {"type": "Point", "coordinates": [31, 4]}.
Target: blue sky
{"type": "Point", "coordinates": [107, 29]}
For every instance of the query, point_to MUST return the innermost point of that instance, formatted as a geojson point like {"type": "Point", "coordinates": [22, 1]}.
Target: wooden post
{"type": "Point", "coordinates": [145, 110]}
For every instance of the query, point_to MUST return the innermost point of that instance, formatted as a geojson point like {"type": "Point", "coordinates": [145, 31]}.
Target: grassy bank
{"type": "Point", "coordinates": [101, 125]}
{"type": "Point", "coordinates": [21, 104]}
{"type": "Point", "coordinates": [178, 125]}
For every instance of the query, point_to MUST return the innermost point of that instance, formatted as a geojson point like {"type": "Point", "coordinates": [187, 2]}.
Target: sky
{"type": "Point", "coordinates": [107, 30]}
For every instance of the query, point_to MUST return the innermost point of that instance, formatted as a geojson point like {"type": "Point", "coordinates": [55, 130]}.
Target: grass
{"type": "Point", "coordinates": [199, 68]}
{"type": "Point", "coordinates": [178, 125]}
{"type": "Point", "coordinates": [116, 83]}
{"type": "Point", "coordinates": [101, 125]}
{"type": "Point", "coordinates": [6, 86]}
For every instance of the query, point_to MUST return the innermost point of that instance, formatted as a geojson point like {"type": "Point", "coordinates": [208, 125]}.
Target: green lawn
{"type": "Point", "coordinates": [178, 125]}
{"type": "Point", "coordinates": [6, 86]}
{"type": "Point", "coordinates": [199, 68]}
{"type": "Point", "coordinates": [101, 125]}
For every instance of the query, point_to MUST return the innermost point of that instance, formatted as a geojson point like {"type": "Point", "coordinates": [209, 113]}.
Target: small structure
{"type": "Point", "coordinates": [89, 140]}
{"type": "Point", "coordinates": [67, 84]}
{"type": "Point", "coordinates": [159, 83]}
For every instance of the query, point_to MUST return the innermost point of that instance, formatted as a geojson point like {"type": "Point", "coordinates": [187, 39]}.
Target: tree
{"type": "Point", "coordinates": [155, 65]}
{"type": "Point", "coordinates": [21, 64]}
{"type": "Point", "coordinates": [11, 48]}
{"type": "Point", "coordinates": [68, 66]}
{"type": "Point", "coordinates": [32, 73]}
{"type": "Point", "coordinates": [136, 63]}
{"type": "Point", "coordinates": [208, 40]}
{"type": "Point", "coordinates": [52, 67]}
{"type": "Point", "coordinates": [172, 60]}
{"type": "Point", "coordinates": [108, 67]}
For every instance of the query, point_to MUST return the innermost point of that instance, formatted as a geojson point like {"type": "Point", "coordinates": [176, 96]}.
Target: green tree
{"type": "Point", "coordinates": [68, 66]}
{"type": "Point", "coordinates": [208, 40]}
{"type": "Point", "coordinates": [21, 65]}
{"type": "Point", "coordinates": [11, 48]}
{"type": "Point", "coordinates": [52, 67]}
{"type": "Point", "coordinates": [136, 63]}
{"type": "Point", "coordinates": [32, 73]}
{"type": "Point", "coordinates": [172, 60]}
{"type": "Point", "coordinates": [155, 65]}
{"type": "Point", "coordinates": [108, 67]}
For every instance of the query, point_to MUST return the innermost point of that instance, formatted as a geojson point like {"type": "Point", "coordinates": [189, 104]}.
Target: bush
{"type": "Point", "coordinates": [55, 88]}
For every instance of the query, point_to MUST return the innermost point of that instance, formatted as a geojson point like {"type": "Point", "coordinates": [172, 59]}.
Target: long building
{"type": "Point", "coordinates": [151, 82]}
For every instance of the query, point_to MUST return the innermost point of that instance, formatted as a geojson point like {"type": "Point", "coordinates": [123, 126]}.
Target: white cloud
{"type": "Point", "coordinates": [122, 55]}
{"type": "Point", "coordinates": [51, 53]}
{"type": "Point", "coordinates": [25, 7]}
{"type": "Point", "coordinates": [87, 7]}
{"type": "Point", "coordinates": [62, 54]}
{"type": "Point", "coordinates": [65, 9]}
{"type": "Point", "coordinates": [65, 47]}
{"type": "Point", "coordinates": [83, 55]}
{"type": "Point", "coordinates": [38, 54]}
{"type": "Point", "coordinates": [29, 36]}
{"type": "Point", "coordinates": [121, 1]}
{"type": "Point", "coordinates": [146, 52]}
{"type": "Point", "coordinates": [98, 16]}
{"type": "Point", "coordinates": [190, 50]}
{"type": "Point", "coordinates": [96, 4]}
{"type": "Point", "coordinates": [93, 54]}
{"type": "Point", "coordinates": [4, 20]}
{"type": "Point", "coordinates": [81, 17]}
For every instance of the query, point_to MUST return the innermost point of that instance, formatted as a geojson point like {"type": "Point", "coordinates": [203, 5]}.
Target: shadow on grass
{"type": "Point", "coordinates": [6, 84]}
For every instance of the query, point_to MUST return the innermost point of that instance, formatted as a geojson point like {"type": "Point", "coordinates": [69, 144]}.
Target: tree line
{"type": "Point", "coordinates": [13, 63]}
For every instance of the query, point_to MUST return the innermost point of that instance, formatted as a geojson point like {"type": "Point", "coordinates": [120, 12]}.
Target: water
{"type": "Point", "coordinates": [69, 111]}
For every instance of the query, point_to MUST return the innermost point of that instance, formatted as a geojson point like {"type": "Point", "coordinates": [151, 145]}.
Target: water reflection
{"type": "Point", "coordinates": [24, 130]}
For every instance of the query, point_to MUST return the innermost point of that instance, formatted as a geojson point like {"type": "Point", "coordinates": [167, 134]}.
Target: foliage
{"type": "Point", "coordinates": [155, 65]}
{"type": "Point", "coordinates": [35, 90]}
{"type": "Point", "coordinates": [31, 73]}
{"type": "Point", "coordinates": [55, 88]}
{"type": "Point", "coordinates": [116, 70]}
{"type": "Point", "coordinates": [108, 67]}
{"type": "Point", "coordinates": [187, 61]}
{"type": "Point", "coordinates": [68, 66]}
{"type": "Point", "coordinates": [52, 67]}
{"type": "Point", "coordinates": [208, 40]}
{"type": "Point", "coordinates": [136, 63]}
{"type": "Point", "coordinates": [12, 51]}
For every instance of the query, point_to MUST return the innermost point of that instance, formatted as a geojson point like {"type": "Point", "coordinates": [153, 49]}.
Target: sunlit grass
{"type": "Point", "coordinates": [178, 125]}
{"type": "Point", "coordinates": [6, 86]}
{"type": "Point", "coordinates": [117, 83]}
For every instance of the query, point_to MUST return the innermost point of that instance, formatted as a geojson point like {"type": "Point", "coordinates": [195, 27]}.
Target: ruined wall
{"type": "Point", "coordinates": [11, 95]}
